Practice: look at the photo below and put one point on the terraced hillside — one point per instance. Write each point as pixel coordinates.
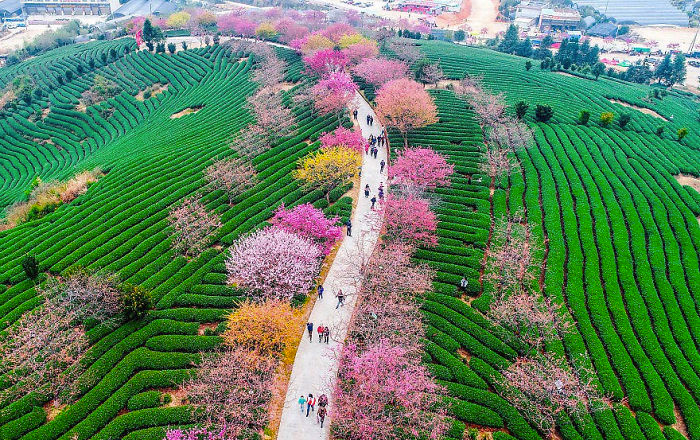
(622, 249)
(120, 225)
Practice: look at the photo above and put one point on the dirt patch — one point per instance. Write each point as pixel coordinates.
(52, 409)
(284, 86)
(464, 354)
(6, 97)
(443, 84)
(572, 75)
(680, 423)
(188, 111)
(81, 107)
(243, 59)
(179, 396)
(155, 89)
(691, 181)
(207, 325)
(646, 111)
(45, 112)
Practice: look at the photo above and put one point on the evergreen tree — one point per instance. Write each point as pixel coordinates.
(510, 40)
(598, 69)
(524, 48)
(664, 71)
(678, 75)
(543, 51)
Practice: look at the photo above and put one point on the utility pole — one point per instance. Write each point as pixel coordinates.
(691, 49)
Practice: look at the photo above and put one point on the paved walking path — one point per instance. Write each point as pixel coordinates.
(315, 366)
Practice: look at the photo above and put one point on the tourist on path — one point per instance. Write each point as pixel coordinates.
(320, 291)
(376, 150)
(320, 330)
(349, 227)
(354, 114)
(382, 164)
(310, 329)
(302, 402)
(366, 190)
(310, 402)
(373, 200)
(366, 147)
(326, 334)
(381, 191)
(321, 416)
(341, 299)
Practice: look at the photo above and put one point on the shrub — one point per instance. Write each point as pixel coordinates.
(136, 301)
(624, 120)
(660, 130)
(682, 132)
(606, 118)
(543, 113)
(521, 108)
(172, 47)
(528, 65)
(30, 266)
(583, 117)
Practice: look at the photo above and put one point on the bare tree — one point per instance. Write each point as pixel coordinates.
(233, 176)
(542, 386)
(405, 50)
(192, 226)
(272, 116)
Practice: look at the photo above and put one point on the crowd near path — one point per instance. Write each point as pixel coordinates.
(316, 364)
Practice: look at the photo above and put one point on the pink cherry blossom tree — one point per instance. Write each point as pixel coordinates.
(530, 317)
(324, 62)
(409, 220)
(274, 263)
(196, 434)
(332, 93)
(345, 137)
(360, 51)
(233, 176)
(289, 29)
(499, 162)
(388, 302)
(405, 50)
(379, 71)
(336, 30)
(422, 167)
(404, 104)
(385, 393)
(511, 265)
(231, 391)
(310, 223)
(542, 386)
(271, 115)
(192, 226)
(42, 350)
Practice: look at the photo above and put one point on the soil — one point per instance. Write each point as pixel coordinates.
(573, 76)
(52, 410)
(207, 325)
(6, 97)
(443, 84)
(187, 111)
(644, 110)
(156, 89)
(691, 181)
(81, 108)
(680, 423)
(284, 86)
(45, 112)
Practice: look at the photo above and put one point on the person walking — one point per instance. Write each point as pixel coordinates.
(366, 147)
(376, 150)
(302, 402)
(349, 228)
(326, 334)
(381, 191)
(366, 190)
(321, 416)
(310, 402)
(320, 330)
(320, 291)
(382, 164)
(373, 200)
(310, 329)
(368, 116)
(341, 299)
(354, 114)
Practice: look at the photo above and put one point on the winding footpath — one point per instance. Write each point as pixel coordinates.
(316, 364)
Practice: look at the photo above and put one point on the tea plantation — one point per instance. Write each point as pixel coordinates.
(151, 162)
(621, 248)
(621, 238)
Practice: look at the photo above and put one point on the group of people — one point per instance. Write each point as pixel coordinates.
(380, 193)
(374, 143)
(310, 402)
(324, 333)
